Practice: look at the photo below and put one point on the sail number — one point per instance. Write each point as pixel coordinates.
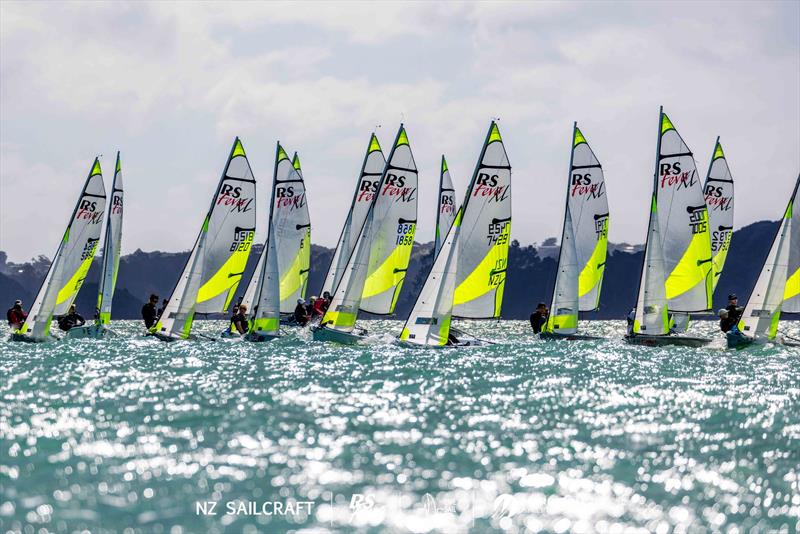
(498, 274)
(497, 233)
(720, 241)
(89, 248)
(405, 234)
(242, 241)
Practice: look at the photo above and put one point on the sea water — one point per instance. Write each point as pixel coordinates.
(137, 435)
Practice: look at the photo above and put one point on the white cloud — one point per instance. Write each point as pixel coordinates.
(172, 83)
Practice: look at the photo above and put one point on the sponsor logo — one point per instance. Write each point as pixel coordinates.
(672, 176)
(394, 186)
(360, 503)
(87, 211)
(431, 507)
(366, 190)
(582, 185)
(231, 197)
(486, 187)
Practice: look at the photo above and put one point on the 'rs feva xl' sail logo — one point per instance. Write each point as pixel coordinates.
(672, 176)
(582, 184)
(87, 211)
(716, 200)
(231, 197)
(366, 190)
(286, 197)
(395, 186)
(486, 186)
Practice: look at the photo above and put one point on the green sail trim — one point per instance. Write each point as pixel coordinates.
(119, 166)
(96, 168)
(374, 145)
(494, 135)
(296, 162)
(444, 164)
(666, 124)
(402, 138)
(718, 153)
(578, 138)
(238, 149)
(281, 154)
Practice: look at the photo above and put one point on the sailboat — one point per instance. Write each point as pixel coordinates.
(111, 253)
(71, 262)
(291, 225)
(470, 267)
(584, 242)
(776, 284)
(677, 268)
(368, 179)
(263, 294)
(718, 191)
(217, 260)
(447, 207)
(376, 268)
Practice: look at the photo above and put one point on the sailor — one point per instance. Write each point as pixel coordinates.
(732, 314)
(239, 319)
(326, 301)
(16, 315)
(301, 315)
(149, 313)
(539, 317)
(318, 307)
(630, 319)
(71, 320)
(233, 329)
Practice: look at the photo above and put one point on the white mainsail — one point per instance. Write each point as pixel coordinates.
(483, 242)
(446, 213)
(264, 299)
(72, 260)
(347, 295)
(683, 221)
(371, 172)
(393, 225)
(791, 295)
(217, 261)
(291, 225)
(584, 241)
(719, 201)
(111, 248)
(762, 312)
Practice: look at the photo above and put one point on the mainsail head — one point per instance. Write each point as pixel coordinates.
(718, 192)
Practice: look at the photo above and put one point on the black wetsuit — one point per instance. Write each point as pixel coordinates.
(538, 320)
(239, 320)
(69, 321)
(301, 315)
(149, 315)
(734, 314)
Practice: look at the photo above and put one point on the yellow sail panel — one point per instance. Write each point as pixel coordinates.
(297, 274)
(225, 279)
(692, 269)
(490, 274)
(73, 285)
(792, 285)
(592, 272)
(339, 320)
(390, 273)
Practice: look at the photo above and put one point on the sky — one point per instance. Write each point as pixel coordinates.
(171, 84)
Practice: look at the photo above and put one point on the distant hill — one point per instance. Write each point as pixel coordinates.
(531, 276)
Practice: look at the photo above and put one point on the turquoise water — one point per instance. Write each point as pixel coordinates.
(524, 436)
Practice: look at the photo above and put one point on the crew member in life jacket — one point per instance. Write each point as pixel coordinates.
(326, 302)
(730, 319)
(71, 320)
(301, 315)
(539, 317)
(16, 315)
(149, 312)
(239, 319)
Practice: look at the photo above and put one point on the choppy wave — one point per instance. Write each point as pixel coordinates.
(522, 436)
